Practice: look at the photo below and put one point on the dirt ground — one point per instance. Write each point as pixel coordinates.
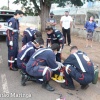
(93, 53)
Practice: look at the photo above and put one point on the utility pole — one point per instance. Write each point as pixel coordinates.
(8, 4)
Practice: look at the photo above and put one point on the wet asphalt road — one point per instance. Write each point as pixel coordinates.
(11, 89)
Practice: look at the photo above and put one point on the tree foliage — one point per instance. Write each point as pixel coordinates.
(4, 8)
(42, 7)
(29, 5)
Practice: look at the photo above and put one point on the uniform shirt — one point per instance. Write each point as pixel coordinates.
(80, 61)
(45, 58)
(28, 35)
(13, 29)
(25, 53)
(66, 20)
(90, 26)
(55, 37)
(52, 20)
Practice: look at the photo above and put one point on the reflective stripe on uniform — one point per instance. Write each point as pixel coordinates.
(79, 62)
(66, 68)
(40, 51)
(10, 61)
(25, 52)
(29, 32)
(15, 58)
(54, 38)
(55, 69)
(45, 70)
(9, 28)
(61, 39)
(14, 30)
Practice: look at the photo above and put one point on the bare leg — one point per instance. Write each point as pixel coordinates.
(87, 43)
(91, 42)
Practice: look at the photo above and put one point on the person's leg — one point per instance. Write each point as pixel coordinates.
(71, 72)
(68, 82)
(22, 66)
(42, 72)
(16, 51)
(77, 75)
(68, 36)
(91, 39)
(64, 34)
(87, 40)
(11, 58)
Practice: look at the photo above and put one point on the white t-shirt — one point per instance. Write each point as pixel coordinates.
(66, 20)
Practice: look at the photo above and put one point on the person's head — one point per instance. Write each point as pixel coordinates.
(38, 34)
(55, 47)
(91, 18)
(49, 30)
(73, 49)
(66, 13)
(51, 15)
(38, 42)
(18, 14)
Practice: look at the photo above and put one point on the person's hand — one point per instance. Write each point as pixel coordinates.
(11, 43)
(60, 50)
(60, 65)
(49, 45)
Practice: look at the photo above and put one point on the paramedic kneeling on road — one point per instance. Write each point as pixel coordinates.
(42, 64)
(79, 67)
(27, 51)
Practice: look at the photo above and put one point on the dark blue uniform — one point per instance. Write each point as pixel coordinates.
(41, 64)
(12, 35)
(56, 37)
(24, 55)
(81, 69)
(28, 35)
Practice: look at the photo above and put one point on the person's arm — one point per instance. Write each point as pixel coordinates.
(31, 52)
(54, 23)
(60, 38)
(71, 24)
(95, 26)
(48, 22)
(24, 39)
(51, 61)
(85, 26)
(10, 32)
(48, 40)
(69, 60)
(71, 21)
(61, 21)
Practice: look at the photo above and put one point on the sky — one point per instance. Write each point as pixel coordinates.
(12, 6)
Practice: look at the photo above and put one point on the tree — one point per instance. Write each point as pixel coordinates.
(42, 7)
(4, 8)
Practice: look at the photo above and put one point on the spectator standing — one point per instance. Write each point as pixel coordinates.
(51, 21)
(66, 24)
(90, 27)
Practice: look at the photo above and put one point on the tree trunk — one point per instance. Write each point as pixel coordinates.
(44, 14)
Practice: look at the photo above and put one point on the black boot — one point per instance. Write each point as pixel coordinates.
(84, 86)
(46, 86)
(31, 78)
(70, 87)
(14, 69)
(24, 79)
